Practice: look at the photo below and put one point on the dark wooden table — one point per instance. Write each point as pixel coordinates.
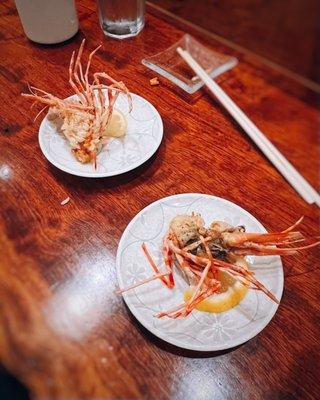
(47, 248)
(266, 27)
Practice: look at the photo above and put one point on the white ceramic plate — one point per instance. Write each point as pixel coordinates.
(144, 135)
(199, 331)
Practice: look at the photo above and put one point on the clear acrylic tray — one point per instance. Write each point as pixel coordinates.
(170, 65)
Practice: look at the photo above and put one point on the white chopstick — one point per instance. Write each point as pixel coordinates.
(297, 181)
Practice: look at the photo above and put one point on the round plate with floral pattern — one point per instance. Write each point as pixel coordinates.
(199, 331)
(119, 155)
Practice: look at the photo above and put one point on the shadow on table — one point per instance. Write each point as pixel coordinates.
(11, 388)
(97, 184)
(178, 351)
(76, 38)
(144, 171)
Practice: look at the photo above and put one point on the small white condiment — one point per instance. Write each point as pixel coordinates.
(65, 201)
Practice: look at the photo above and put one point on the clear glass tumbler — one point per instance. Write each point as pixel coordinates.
(121, 19)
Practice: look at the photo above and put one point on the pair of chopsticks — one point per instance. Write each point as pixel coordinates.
(297, 181)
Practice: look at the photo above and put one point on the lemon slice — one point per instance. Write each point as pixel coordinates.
(230, 295)
(117, 126)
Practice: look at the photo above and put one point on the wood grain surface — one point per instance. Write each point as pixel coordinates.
(285, 32)
(53, 255)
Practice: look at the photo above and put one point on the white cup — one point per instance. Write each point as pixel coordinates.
(48, 21)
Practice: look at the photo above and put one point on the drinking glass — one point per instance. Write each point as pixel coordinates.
(121, 19)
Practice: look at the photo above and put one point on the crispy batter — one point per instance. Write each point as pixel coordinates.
(202, 254)
(84, 119)
(154, 81)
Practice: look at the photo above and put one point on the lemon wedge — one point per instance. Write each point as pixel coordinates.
(230, 295)
(117, 126)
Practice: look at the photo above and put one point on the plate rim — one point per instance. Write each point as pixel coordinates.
(61, 167)
(173, 341)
